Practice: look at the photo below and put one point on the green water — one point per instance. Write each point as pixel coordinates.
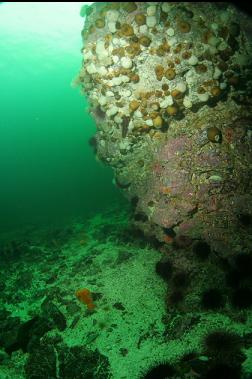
(48, 170)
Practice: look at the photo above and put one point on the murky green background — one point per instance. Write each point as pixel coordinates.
(48, 172)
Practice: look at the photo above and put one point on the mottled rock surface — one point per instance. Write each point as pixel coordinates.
(169, 86)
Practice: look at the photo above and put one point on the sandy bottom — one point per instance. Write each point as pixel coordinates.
(132, 326)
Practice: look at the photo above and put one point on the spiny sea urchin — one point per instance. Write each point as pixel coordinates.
(212, 298)
(202, 250)
(164, 268)
(160, 371)
(222, 344)
(223, 371)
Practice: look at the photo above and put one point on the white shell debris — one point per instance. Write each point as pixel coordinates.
(112, 111)
(172, 41)
(91, 69)
(126, 62)
(193, 60)
(151, 21)
(109, 93)
(118, 119)
(187, 102)
(102, 70)
(170, 32)
(126, 93)
(100, 50)
(143, 29)
(112, 26)
(166, 102)
(112, 16)
(203, 96)
(151, 10)
(165, 7)
(181, 87)
(115, 59)
(102, 100)
(149, 122)
(217, 73)
(138, 114)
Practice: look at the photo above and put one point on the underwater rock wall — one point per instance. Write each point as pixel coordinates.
(169, 86)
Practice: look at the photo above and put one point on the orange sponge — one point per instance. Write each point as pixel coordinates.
(84, 295)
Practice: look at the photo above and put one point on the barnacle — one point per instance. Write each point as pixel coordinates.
(129, 7)
(127, 30)
(216, 91)
(145, 41)
(159, 71)
(100, 23)
(171, 110)
(183, 26)
(158, 122)
(140, 19)
(134, 78)
(201, 68)
(170, 73)
(134, 104)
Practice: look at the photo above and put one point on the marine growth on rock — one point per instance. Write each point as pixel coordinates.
(173, 81)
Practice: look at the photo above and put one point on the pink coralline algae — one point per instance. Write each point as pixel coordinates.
(174, 148)
(197, 201)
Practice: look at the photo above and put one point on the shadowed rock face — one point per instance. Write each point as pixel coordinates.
(169, 85)
(56, 360)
